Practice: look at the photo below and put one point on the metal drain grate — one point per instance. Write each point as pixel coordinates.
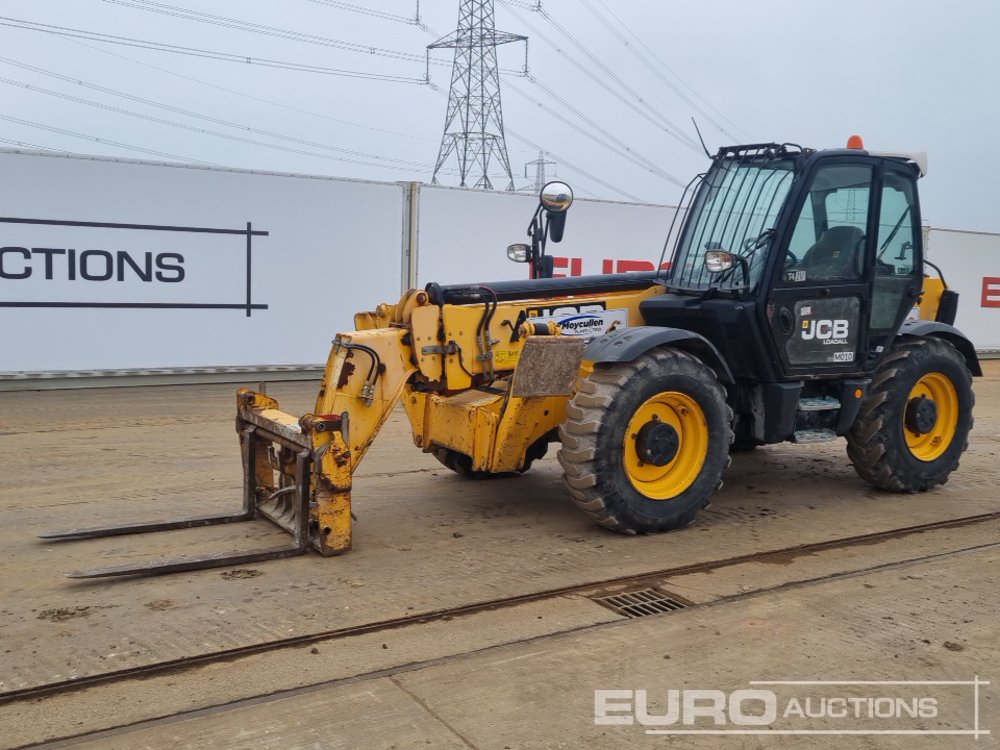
(641, 603)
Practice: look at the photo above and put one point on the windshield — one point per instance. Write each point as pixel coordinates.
(735, 209)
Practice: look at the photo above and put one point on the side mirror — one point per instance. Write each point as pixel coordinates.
(717, 261)
(548, 223)
(720, 261)
(556, 197)
(557, 225)
(519, 253)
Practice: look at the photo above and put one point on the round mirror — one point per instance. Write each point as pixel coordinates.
(557, 197)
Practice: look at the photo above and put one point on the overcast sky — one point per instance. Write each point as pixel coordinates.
(916, 75)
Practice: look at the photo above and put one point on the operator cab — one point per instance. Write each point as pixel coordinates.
(817, 254)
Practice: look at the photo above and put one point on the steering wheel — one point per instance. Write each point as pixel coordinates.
(859, 257)
(751, 244)
(791, 259)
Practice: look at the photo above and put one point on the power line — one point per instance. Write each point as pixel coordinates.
(195, 129)
(70, 33)
(652, 68)
(179, 110)
(415, 21)
(105, 141)
(94, 36)
(264, 29)
(640, 105)
(245, 95)
(275, 31)
(623, 150)
(575, 168)
(23, 144)
(672, 72)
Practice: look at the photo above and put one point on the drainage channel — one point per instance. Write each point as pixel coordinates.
(642, 597)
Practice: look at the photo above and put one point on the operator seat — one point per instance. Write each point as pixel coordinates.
(836, 255)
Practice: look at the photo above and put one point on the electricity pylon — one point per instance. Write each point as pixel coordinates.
(473, 126)
(539, 164)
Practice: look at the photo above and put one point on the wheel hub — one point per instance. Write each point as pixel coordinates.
(657, 443)
(921, 415)
(665, 445)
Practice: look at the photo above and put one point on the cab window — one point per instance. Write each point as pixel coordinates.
(828, 242)
(898, 243)
(896, 236)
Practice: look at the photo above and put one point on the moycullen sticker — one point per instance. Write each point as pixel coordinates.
(588, 325)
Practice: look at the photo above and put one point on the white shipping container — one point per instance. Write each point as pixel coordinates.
(971, 265)
(121, 264)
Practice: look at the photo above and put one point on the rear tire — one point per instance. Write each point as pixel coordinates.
(645, 442)
(888, 445)
(458, 463)
(461, 464)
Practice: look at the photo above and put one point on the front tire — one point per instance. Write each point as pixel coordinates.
(915, 420)
(645, 442)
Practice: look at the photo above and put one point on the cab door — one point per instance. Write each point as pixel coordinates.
(897, 271)
(818, 306)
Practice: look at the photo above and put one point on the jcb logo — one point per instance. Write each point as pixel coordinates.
(825, 330)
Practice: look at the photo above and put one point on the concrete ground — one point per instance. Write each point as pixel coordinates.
(540, 693)
(916, 607)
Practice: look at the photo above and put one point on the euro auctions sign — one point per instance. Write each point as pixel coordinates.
(805, 707)
(55, 263)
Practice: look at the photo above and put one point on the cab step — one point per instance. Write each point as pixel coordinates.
(824, 403)
(813, 436)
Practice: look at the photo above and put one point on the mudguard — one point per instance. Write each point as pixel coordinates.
(627, 344)
(950, 334)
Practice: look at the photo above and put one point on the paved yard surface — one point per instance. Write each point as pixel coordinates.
(912, 607)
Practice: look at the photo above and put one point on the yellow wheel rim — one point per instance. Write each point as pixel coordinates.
(681, 412)
(931, 445)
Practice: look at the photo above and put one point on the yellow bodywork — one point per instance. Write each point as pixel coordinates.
(930, 298)
(467, 387)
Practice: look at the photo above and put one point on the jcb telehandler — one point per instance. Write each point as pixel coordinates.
(794, 308)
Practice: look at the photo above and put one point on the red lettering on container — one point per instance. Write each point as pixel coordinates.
(575, 266)
(991, 291)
